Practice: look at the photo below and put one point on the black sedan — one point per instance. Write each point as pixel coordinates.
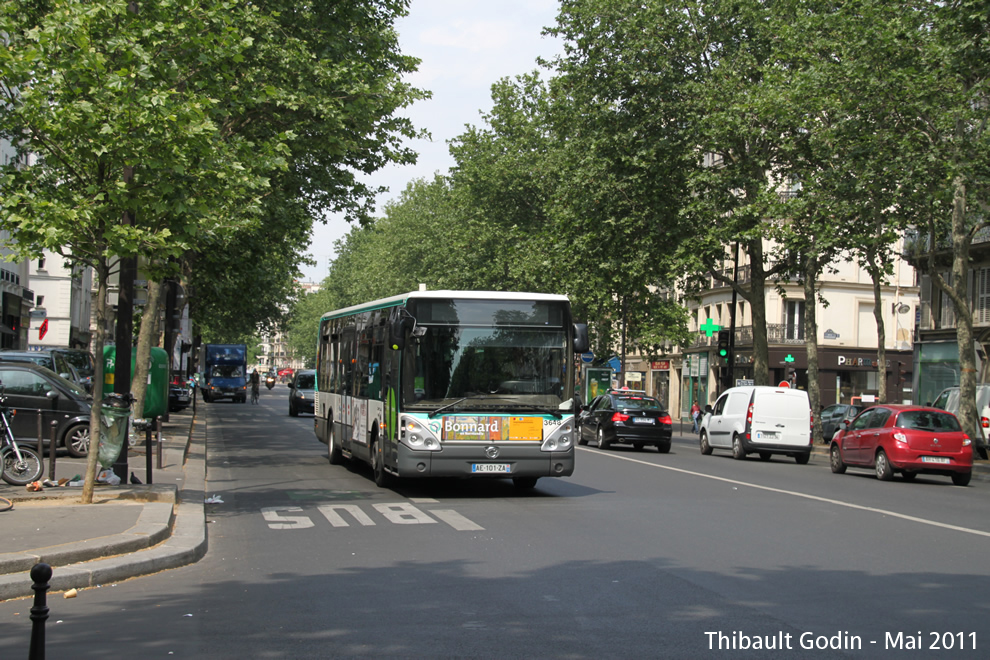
(179, 394)
(302, 389)
(834, 418)
(626, 417)
(33, 390)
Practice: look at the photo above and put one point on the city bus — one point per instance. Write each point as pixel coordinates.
(451, 384)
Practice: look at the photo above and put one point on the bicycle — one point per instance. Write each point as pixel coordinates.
(19, 465)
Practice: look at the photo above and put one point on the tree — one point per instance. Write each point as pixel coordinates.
(157, 128)
(669, 102)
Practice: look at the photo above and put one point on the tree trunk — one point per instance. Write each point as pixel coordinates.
(146, 336)
(811, 344)
(758, 305)
(99, 339)
(968, 415)
(875, 275)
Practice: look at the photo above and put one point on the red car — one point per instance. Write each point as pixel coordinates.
(911, 440)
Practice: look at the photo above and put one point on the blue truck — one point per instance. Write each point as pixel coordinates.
(224, 369)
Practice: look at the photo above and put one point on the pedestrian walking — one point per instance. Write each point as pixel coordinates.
(696, 417)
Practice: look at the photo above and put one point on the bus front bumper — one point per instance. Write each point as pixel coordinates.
(475, 461)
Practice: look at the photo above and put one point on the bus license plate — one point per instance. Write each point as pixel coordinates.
(934, 459)
(490, 468)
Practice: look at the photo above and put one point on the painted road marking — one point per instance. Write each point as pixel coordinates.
(330, 512)
(456, 520)
(403, 514)
(815, 498)
(343, 515)
(277, 521)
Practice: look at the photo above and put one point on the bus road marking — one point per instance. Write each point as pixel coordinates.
(403, 514)
(277, 521)
(456, 520)
(343, 515)
(329, 512)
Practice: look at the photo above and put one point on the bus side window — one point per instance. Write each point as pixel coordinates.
(347, 337)
(377, 354)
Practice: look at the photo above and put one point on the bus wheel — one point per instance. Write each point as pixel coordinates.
(333, 449)
(524, 483)
(378, 464)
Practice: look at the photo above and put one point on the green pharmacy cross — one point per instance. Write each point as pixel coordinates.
(710, 328)
(789, 358)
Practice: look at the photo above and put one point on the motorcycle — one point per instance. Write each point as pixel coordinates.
(270, 382)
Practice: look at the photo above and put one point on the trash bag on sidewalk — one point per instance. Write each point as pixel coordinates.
(114, 415)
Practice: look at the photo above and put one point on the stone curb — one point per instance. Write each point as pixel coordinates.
(169, 533)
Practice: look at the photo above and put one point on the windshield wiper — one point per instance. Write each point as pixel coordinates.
(452, 404)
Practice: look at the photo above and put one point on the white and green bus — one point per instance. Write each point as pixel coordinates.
(451, 384)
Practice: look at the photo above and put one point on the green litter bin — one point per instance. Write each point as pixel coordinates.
(156, 396)
(114, 415)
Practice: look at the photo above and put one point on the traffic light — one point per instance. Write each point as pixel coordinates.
(723, 346)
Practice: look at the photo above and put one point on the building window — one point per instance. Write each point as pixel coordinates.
(983, 295)
(41, 263)
(40, 302)
(794, 319)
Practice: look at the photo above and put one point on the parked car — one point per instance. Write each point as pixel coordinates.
(948, 400)
(51, 359)
(31, 388)
(82, 361)
(911, 440)
(302, 389)
(179, 393)
(626, 417)
(761, 420)
(834, 417)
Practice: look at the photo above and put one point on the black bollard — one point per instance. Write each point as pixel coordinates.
(40, 575)
(147, 454)
(51, 451)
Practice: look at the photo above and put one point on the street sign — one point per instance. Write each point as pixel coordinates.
(588, 357)
(783, 383)
(43, 329)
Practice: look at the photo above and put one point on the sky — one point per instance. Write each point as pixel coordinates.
(465, 47)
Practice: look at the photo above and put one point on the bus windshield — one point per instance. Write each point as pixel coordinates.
(498, 368)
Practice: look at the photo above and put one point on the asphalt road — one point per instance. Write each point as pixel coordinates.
(638, 555)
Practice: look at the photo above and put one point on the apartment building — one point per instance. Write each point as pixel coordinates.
(63, 303)
(936, 357)
(16, 298)
(847, 339)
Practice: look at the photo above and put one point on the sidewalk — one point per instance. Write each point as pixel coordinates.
(128, 530)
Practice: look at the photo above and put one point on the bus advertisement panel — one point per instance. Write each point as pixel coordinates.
(451, 384)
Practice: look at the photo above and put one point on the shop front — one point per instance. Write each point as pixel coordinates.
(660, 382)
(694, 382)
(844, 376)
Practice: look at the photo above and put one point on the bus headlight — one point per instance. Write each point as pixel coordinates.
(561, 439)
(415, 435)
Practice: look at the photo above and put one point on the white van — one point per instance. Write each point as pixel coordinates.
(759, 420)
(948, 400)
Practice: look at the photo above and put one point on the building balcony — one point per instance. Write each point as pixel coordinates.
(944, 317)
(777, 334)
